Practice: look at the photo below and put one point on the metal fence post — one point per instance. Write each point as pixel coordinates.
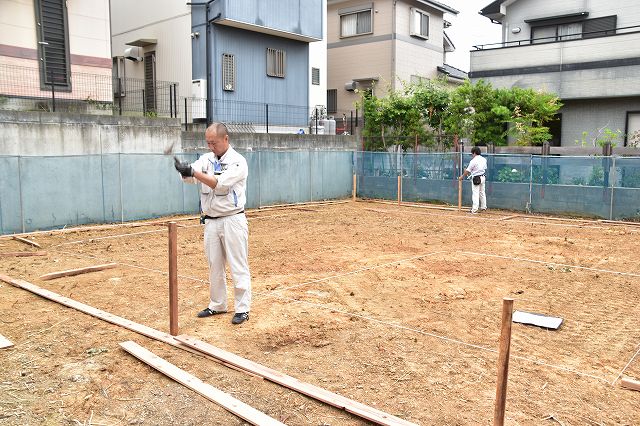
(175, 102)
(316, 121)
(351, 123)
(266, 112)
(144, 106)
(613, 184)
(186, 120)
(260, 180)
(20, 193)
(528, 209)
(53, 91)
(119, 95)
(171, 100)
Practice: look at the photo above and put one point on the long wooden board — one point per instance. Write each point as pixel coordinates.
(314, 392)
(4, 342)
(78, 271)
(221, 398)
(108, 317)
(23, 253)
(24, 240)
(630, 384)
(354, 407)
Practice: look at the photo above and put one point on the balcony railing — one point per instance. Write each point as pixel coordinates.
(560, 38)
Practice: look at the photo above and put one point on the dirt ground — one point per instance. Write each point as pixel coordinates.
(396, 307)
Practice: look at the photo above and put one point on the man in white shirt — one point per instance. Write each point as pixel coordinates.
(222, 174)
(477, 168)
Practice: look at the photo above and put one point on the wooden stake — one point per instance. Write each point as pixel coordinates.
(24, 240)
(173, 279)
(503, 362)
(399, 189)
(630, 384)
(221, 398)
(23, 253)
(78, 271)
(459, 195)
(353, 191)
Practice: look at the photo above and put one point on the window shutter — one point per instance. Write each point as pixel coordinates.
(276, 62)
(332, 101)
(228, 72)
(53, 31)
(599, 27)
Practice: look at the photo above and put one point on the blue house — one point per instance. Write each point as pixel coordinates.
(250, 58)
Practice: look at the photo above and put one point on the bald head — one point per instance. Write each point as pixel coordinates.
(217, 138)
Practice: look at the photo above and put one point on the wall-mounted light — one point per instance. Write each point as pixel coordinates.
(195, 35)
(516, 30)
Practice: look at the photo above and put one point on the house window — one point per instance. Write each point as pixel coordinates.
(276, 62)
(228, 72)
(561, 32)
(633, 129)
(355, 22)
(419, 23)
(315, 76)
(418, 79)
(53, 43)
(332, 101)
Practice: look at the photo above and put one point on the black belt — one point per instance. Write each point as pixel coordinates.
(205, 217)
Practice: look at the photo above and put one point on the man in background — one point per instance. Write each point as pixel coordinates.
(477, 168)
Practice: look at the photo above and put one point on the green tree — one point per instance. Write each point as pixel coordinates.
(415, 110)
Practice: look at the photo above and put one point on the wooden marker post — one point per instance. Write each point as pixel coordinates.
(399, 189)
(503, 362)
(353, 190)
(173, 279)
(459, 195)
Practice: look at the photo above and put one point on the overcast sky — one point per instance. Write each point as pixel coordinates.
(468, 29)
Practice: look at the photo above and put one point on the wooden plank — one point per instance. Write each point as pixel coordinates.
(223, 357)
(308, 389)
(108, 317)
(23, 253)
(72, 272)
(630, 384)
(4, 342)
(173, 278)
(503, 362)
(24, 240)
(215, 395)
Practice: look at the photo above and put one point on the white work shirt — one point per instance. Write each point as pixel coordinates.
(229, 196)
(477, 166)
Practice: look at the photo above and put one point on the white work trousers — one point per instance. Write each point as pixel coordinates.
(478, 196)
(227, 238)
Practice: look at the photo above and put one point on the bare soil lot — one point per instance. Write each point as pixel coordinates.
(395, 307)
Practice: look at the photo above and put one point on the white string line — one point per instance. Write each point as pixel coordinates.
(149, 232)
(522, 259)
(88, 256)
(368, 268)
(88, 240)
(514, 220)
(626, 366)
(444, 338)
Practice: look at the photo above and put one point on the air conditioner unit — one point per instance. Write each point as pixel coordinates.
(350, 86)
(199, 99)
(133, 54)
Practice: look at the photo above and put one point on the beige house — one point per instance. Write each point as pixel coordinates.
(378, 45)
(59, 42)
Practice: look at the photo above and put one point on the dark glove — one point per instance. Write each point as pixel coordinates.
(184, 168)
